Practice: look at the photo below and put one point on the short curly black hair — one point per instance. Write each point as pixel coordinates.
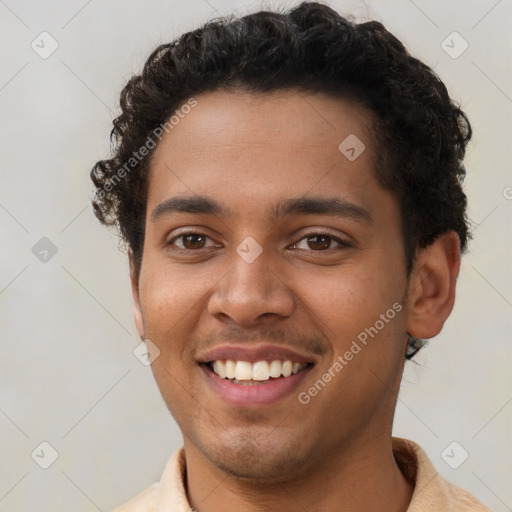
(420, 134)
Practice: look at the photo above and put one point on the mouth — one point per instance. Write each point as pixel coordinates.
(249, 384)
(248, 373)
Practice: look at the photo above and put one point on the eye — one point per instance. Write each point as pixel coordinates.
(195, 240)
(320, 242)
(190, 240)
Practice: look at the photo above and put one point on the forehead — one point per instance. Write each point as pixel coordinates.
(294, 118)
(250, 150)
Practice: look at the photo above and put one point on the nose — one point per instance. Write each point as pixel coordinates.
(251, 291)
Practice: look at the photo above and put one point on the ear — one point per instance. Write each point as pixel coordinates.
(431, 291)
(137, 310)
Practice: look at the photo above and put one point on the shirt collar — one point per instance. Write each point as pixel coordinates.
(431, 491)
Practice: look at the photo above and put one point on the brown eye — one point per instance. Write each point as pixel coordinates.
(189, 241)
(319, 242)
(193, 241)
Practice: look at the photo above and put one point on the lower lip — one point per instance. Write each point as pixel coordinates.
(242, 395)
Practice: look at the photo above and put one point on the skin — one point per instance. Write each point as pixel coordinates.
(248, 151)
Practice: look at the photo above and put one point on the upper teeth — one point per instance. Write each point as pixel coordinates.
(260, 370)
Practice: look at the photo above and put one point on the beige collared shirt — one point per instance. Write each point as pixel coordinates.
(431, 492)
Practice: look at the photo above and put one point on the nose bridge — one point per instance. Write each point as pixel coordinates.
(250, 279)
(251, 268)
(251, 287)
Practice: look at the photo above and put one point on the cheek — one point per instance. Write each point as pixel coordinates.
(169, 293)
(169, 300)
(170, 304)
(356, 301)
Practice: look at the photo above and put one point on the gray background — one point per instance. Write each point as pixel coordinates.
(68, 373)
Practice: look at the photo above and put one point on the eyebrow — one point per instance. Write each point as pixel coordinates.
(203, 205)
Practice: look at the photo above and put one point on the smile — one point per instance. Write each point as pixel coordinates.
(245, 372)
(252, 384)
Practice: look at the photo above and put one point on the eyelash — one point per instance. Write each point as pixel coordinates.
(343, 244)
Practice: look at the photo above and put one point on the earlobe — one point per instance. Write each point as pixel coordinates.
(137, 310)
(431, 293)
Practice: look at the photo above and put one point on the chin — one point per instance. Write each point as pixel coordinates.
(257, 460)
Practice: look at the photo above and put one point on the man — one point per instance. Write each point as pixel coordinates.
(289, 188)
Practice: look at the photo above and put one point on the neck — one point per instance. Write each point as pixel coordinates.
(362, 475)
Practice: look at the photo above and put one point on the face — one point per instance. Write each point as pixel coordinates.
(281, 248)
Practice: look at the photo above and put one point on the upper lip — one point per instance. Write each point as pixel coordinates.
(253, 354)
